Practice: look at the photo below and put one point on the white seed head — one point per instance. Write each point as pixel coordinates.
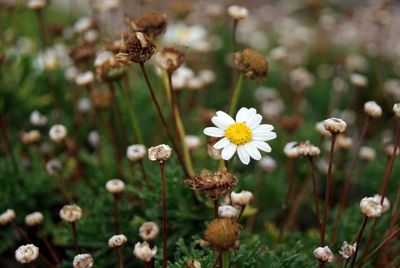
(367, 153)
(237, 12)
(83, 261)
(290, 149)
(53, 167)
(57, 133)
(267, 163)
(307, 149)
(241, 199)
(115, 186)
(27, 253)
(84, 105)
(70, 213)
(372, 109)
(347, 250)
(143, 251)
(370, 207)
(396, 109)
(34, 219)
(344, 142)
(136, 152)
(385, 204)
(117, 241)
(322, 130)
(149, 230)
(359, 80)
(227, 212)
(335, 125)
(7, 217)
(95, 139)
(159, 153)
(37, 119)
(324, 254)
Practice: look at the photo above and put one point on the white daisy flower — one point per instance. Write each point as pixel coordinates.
(246, 134)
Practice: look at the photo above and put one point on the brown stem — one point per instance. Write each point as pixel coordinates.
(49, 246)
(316, 202)
(143, 170)
(120, 260)
(6, 138)
(164, 213)
(328, 189)
(163, 121)
(241, 212)
(117, 112)
(215, 208)
(358, 239)
(217, 258)
(42, 28)
(75, 237)
(116, 213)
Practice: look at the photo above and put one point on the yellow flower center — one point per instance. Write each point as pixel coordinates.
(238, 133)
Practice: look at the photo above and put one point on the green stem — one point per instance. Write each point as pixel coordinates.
(225, 260)
(235, 95)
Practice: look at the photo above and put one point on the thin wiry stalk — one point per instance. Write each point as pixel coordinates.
(316, 202)
(358, 239)
(164, 213)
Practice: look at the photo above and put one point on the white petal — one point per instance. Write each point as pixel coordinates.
(252, 151)
(241, 115)
(225, 117)
(263, 128)
(252, 112)
(219, 122)
(243, 155)
(254, 121)
(228, 151)
(263, 146)
(264, 136)
(222, 143)
(213, 132)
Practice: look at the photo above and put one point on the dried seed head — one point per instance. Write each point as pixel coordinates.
(372, 109)
(143, 251)
(159, 153)
(136, 152)
(324, 254)
(152, 23)
(70, 213)
(335, 125)
(7, 217)
(138, 47)
(212, 152)
(242, 198)
(267, 164)
(251, 63)
(30, 137)
(290, 149)
(54, 167)
(367, 153)
(347, 250)
(222, 233)
(115, 186)
(306, 149)
(344, 142)
(83, 261)
(58, 133)
(237, 12)
(227, 212)
(385, 202)
(214, 185)
(370, 207)
(149, 231)
(34, 219)
(117, 241)
(169, 59)
(27, 253)
(396, 109)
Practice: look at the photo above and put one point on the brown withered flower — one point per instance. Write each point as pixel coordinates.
(152, 23)
(110, 67)
(222, 233)
(82, 53)
(214, 185)
(137, 47)
(101, 99)
(251, 63)
(169, 59)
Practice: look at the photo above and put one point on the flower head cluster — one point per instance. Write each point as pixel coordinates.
(27, 253)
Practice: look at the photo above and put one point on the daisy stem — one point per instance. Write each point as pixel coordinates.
(235, 95)
(164, 213)
(358, 239)
(163, 121)
(316, 202)
(328, 188)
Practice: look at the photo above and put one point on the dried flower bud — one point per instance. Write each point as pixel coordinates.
(34, 219)
(267, 164)
(138, 48)
(36, 4)
(237, 12)
(53, 167)
(7, 217)
(169, 59)
(37, 119)
(251, 63)
(344, 142)
(58, 133)
(396, 109)
(324, 254)
(84, 79)
(149, 231)
(212, 152)
(227, 212)
(70, 213)
(372, 109)
(290, 149)
(222, 233)
(159, 153)
(115, 186)
(143, 251)
(367, 153)
(359, 80)
(27, 253)
(306, 149)
(152, 23)
(347, 250)
(136, 152)
(214, 185)
(83, 261)
(117, 241)
(192, 142)
(241, 199)
(30, 137)
(385, 202)
(370, 207)
(335, 125)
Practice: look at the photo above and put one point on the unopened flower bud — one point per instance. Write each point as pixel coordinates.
(385, 203)
(136, 152)
(322, 130)
(53, 167)
(58, 133)
(227, 212)
(372, 109)
(367, 153)
(324, 254)
(27, 253)
(359, 80)
(149, 230)
(117, 241)
(36, 4)
(335, 125)
(267, 164)
(347, 250)
(83, 261)
(34, 219)
(192, 142)
(237, 12)
(160, 153)
(241, 199)
(344, 142)
(370, 207)
(95, 139)
(115, 186)
(290, 149)
(143, 251)
(306, 149)
(7, 217)
(37, 119)
(70, 213)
